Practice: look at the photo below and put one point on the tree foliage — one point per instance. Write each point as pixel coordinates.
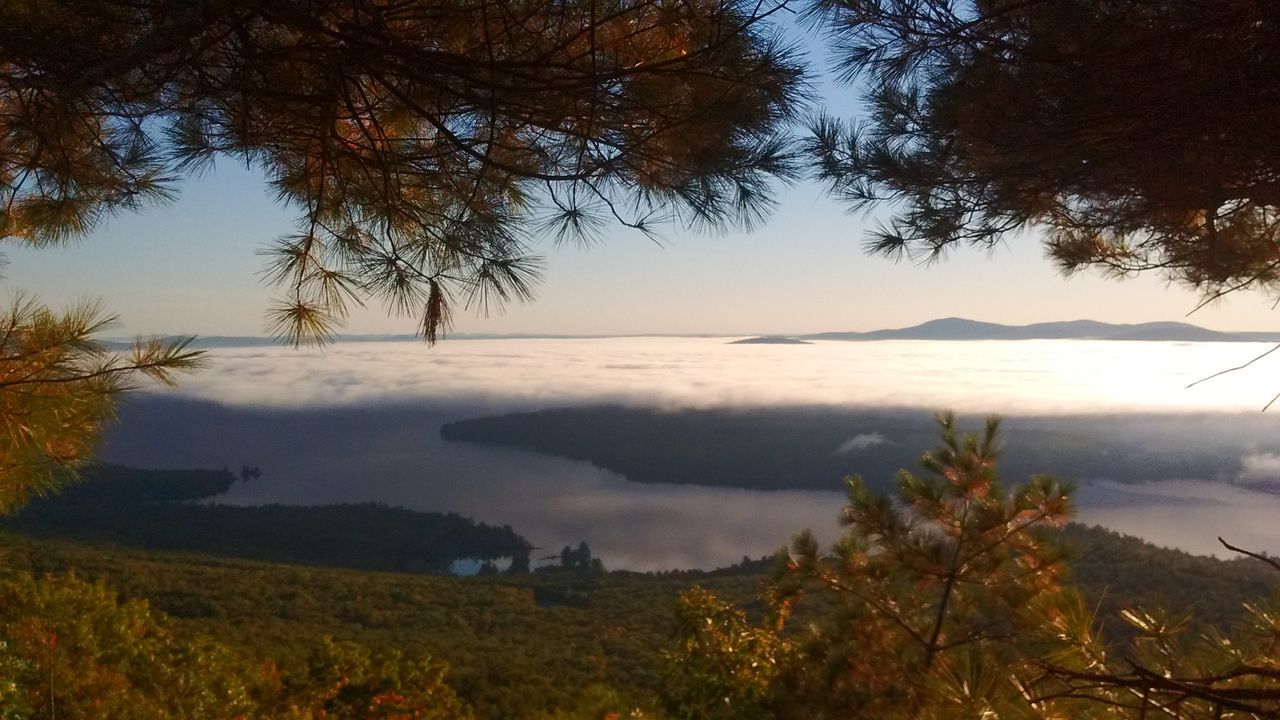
(950, 603)
(515, 651)
(500, 635)
(69, 649)
(420, 141)
(366, 536)
(1166, 671)
(81, 654)
(58, 384)
(724, 667)
(939, 581)
(347, 680)
(578, 560)
(1139, 134)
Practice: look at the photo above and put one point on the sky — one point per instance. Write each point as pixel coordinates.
(191, 267)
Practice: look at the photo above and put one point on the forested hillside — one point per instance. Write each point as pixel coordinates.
(152, 509)
(816, 448)
(517, 647)
(529, 646)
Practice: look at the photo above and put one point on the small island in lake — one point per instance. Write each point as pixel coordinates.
(770, 340)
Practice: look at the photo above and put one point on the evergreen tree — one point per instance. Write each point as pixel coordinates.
(1167, 670)
(421, 142)
(922, 600)
(932, 587)
(949, 603)
(58, 385)
(1138, 134)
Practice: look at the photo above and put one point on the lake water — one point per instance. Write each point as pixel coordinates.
(360, 421)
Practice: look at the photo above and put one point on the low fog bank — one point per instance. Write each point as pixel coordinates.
(1012, 377)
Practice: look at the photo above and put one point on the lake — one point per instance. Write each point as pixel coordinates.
(360, 421)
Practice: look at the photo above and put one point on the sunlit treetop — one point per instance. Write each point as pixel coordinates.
(421, 142)
(1139, 134)
(58, 386)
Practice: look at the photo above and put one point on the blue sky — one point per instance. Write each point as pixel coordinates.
(191, 267)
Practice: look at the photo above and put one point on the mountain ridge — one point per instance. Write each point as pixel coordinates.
(956, 328)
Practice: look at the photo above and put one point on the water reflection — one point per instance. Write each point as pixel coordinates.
(1185, 514)
(393, 454)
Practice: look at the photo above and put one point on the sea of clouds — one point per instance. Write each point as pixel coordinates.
(1015, 377)
(360, 421)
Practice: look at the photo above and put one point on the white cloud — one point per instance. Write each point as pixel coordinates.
(1259, 468)
(859, 442)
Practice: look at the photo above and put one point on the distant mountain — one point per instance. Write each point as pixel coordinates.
(962, 329)
(952, 328)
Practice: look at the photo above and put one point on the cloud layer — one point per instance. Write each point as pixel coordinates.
(991, 376)
(360, 421)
